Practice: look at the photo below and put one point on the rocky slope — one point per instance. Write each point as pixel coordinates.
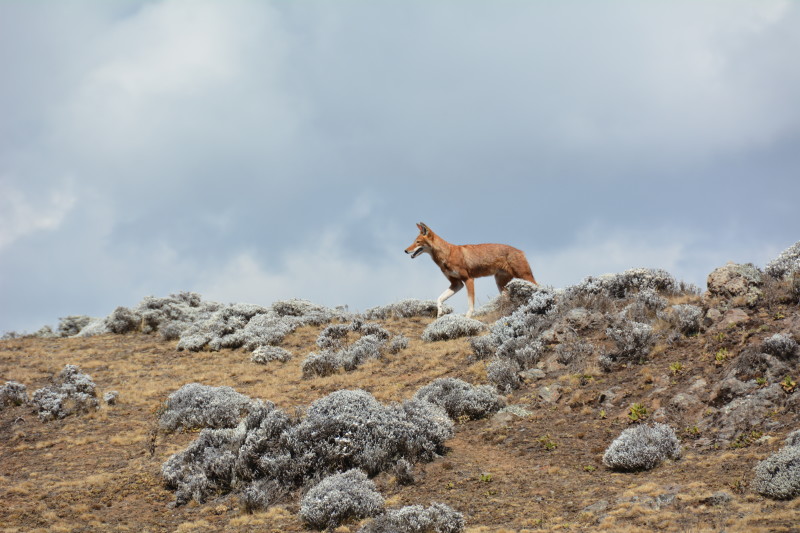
(629, 401)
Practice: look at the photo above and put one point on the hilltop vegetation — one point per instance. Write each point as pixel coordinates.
(629, 401)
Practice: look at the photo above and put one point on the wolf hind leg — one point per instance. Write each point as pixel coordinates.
(470, 296)
(502, 278)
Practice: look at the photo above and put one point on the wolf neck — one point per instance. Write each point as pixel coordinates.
(440, 249)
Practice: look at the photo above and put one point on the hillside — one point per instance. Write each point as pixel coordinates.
(574, 368)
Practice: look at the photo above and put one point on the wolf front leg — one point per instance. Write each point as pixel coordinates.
(455, 286)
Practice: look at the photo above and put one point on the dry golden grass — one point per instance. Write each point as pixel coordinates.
(101, 471)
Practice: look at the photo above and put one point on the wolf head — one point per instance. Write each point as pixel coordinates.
(422, 244)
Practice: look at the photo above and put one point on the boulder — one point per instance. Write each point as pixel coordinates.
(735, 280)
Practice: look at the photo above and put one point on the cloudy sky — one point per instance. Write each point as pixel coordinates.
(255, 151)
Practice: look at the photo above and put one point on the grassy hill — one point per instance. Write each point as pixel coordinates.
(575, 368)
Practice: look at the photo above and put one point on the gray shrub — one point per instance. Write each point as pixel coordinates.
(251, 326)
(452, 327)
(333, 335)
(642, 447)
(634, 340)
(786, 264)
(438, 518)
(262, 493)
(405, 309)
(398, 343)
(72, 325)
(627, 283)
(265, 354)
(206, 467)
(460, 399)
(515, 336)
(780, 345)
(573, 351)
(349, 495)
(335, 355)
(202, 406)
(645, 306)
(122, 320)
(403, 472)
(268, 455)
(72, 392)
(13, 393)
(309, 313)
(778, 476)
(350, 429)
(686, 318)
(483, 347)
(322, 363)
(363, 349)
(793, 438)
(504, 374)
(111, 397)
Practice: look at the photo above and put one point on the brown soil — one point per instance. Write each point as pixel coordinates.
(101, 471)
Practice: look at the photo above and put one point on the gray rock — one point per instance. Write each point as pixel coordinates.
(597, 507)
(735, 280)
(550, 393)
(532, 374)
(728, 390)
(111, 397)
(731, 319)
(684, 402)
(718, 498)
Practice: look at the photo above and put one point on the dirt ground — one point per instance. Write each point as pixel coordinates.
(542, 472)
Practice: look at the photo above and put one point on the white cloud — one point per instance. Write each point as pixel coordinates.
(324, 273)
(177, 83)
(22, 214)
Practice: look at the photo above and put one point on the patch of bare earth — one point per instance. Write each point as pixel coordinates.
(101, 471)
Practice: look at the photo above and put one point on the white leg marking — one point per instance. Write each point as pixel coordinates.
(445, 295)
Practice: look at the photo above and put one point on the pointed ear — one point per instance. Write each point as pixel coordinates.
(423, 229)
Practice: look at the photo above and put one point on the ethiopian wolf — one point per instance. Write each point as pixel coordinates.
(462, 263)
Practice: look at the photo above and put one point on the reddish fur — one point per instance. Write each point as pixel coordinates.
(461, 264)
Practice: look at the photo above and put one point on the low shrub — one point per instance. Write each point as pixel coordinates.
(122, 320)
(398, 343)
(202, 406)
(406, 309)
(73, 392)
(686, 318)
(642, 447)
(265, 354)
(634, 340)
(786, 264)
(573, 351)
(340, 497)
(267, 455)
(460, 399)
(645, 306)
(452, 327)
(778, 476)
(72, 325)
(403, 472)
(780, 345)
(329, 360)
(483, 347)
(321, 364)
(627, 283)
(438, 518)
(13, 393)
(504, 374)
(251, 326)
